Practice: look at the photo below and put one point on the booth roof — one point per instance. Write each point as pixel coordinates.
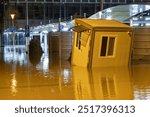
(101, 23)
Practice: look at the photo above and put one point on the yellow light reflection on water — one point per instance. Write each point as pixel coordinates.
(13, 85)
(41, 79)
(141, 80)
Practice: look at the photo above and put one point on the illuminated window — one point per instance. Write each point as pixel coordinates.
(107, 46)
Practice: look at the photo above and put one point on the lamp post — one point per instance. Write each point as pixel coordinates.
(13, 34)
(101, 4)
(13, 81)
(12, 18)
(27, 29)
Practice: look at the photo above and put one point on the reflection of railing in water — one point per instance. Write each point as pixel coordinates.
(18, 39)
(141, 45)
(18, 55)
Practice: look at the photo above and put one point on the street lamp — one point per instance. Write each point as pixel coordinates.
(13, 33)
(12, 17)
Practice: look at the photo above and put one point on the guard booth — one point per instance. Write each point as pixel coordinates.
(101, 43)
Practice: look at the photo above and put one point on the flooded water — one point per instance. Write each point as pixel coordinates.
(49, 77)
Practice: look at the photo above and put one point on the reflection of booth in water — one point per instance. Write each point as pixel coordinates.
(101, 43)
(112, 83)
(102, 83)
(82, 84)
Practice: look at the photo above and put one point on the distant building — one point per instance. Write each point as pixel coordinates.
(45, 11)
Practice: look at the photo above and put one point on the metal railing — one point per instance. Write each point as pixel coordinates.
(70, 1)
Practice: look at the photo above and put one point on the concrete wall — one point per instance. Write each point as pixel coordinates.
(141, 44)
(60, 43)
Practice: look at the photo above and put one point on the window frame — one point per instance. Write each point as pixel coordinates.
(108, 44)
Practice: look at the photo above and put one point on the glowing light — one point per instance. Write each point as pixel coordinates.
(65, 29)
(54, 30)
(134, 18)
(45, 31)
(136, 24)
(12, 16)
(66, 76)
(109, 10)
(131, 22)
(109, 18)
(35, 32)
(147, 18)
(147, 24)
